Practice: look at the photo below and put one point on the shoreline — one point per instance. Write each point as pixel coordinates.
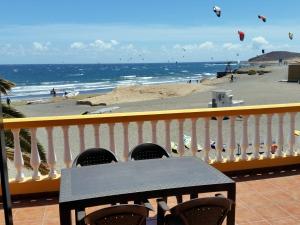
(254, 90)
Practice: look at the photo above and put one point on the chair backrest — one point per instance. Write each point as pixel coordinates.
(118, 215)
(148, 151)
(204, 211)
(94, 156)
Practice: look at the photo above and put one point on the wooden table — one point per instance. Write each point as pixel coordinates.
(137, 180)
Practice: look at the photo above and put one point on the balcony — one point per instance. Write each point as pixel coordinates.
(249, 133)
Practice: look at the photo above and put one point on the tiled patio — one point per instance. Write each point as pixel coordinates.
(266, 198)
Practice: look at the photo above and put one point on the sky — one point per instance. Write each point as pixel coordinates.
(118, 31)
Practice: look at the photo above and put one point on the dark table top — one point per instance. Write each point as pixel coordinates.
(143, 176)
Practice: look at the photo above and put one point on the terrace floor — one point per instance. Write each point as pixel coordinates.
(263, 199)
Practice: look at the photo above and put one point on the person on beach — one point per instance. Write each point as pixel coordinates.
(8, 101)
(53, 92)
(231, 78)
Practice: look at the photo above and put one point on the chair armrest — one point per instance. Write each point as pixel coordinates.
(222, 196)
(162, 205)
(219, 195)
(148, 205)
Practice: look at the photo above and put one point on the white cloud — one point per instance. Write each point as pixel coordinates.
(77, 45)
(99, 44)
(114, 42)
(206, 45)
(127, 47)
(40, 46)
(231, 46)
(259, 42)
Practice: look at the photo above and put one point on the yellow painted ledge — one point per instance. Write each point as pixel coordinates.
(252, 164)
(46, 185)
(29, 186)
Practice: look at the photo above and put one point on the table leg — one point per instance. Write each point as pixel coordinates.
(65, 216)
(231, 214)
(193, 196)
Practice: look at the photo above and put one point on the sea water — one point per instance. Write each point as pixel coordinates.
(36, 81)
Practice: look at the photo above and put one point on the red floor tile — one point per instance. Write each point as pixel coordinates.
(259, 202)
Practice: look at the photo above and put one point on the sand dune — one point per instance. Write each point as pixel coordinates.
(138, 93)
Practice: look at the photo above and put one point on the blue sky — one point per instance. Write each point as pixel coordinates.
(93, 31)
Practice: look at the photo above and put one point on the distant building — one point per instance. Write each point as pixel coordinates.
(294, 73)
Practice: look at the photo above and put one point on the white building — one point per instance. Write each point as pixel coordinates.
(223, 98)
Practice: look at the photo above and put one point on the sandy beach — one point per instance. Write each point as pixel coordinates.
(253, 89)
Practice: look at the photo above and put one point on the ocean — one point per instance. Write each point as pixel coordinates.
(36, 81)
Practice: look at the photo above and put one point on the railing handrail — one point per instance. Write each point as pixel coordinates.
(34, 122)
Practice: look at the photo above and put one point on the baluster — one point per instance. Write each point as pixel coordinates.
(97, 135)
(232, 142)
(269, 135)
(111, 127)
(206, 140)
(34, 157)
(292, 136)
(168, 136)
(219, 143)
(81, 138)
(180, 142)
(256, 143)
(154, 136)
(280, 141)
(245, 143)
(140, 132)
(18, 159)
(67, 150)
(194, 145)
(126, 141)
(51, 156)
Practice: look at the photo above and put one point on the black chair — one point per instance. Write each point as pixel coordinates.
(148, 151)
(92, 156)
(204, 211)
(119, 215)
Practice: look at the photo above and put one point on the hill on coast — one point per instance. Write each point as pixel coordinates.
(275, 56)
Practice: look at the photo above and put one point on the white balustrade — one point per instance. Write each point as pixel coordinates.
(153, 131)
(219, 143)
(111, 127)
(126, 141)
(81, 138)
(67, 150)
(280, 140)
(34, 157)
(292, 140)
(168, 136)
(194, 145)
(232, 141)
(18, 159)
(140, 132)
(180, 137)
(256, 144)
(97, 135)
(269, 141)
(51, 156)
(245, 142)
(113, 133)
(206, 147)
